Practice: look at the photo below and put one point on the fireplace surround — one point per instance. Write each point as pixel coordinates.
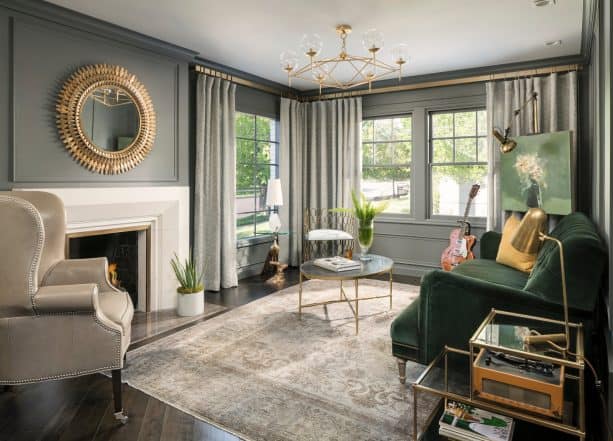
(162, 210)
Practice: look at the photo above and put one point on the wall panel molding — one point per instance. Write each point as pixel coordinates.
(40, 54)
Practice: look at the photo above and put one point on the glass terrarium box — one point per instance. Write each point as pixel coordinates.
(508, 368)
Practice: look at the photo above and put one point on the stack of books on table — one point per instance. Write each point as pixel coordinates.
(467, 423)
(337, 263)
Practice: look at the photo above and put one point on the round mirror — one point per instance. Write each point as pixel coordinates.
(109, 118)
(106, 119)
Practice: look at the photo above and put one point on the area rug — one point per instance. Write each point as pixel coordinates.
(260, 372)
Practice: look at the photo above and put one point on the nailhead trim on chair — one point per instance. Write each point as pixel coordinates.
(38, 224)
(115, 365)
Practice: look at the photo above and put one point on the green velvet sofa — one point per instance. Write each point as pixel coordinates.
(452, 304)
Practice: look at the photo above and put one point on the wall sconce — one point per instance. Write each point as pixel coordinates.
(507, 143)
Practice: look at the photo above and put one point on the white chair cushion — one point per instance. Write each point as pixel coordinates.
(324, 234)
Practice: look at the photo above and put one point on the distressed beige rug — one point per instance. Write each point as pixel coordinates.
(261, 373)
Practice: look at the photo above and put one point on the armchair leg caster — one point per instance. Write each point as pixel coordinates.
(119, 414)
(402, 370)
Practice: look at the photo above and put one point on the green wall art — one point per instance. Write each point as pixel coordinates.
(537, 173)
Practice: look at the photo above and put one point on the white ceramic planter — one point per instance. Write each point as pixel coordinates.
(190, 304)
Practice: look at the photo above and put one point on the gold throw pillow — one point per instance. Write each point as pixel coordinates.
(507, 255)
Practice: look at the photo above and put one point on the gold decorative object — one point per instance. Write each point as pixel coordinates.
(364, 69)
(111, 87)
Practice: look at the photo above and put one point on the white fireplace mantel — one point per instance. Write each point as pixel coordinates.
(164, 209)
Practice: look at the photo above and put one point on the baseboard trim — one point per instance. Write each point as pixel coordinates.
(250, 270)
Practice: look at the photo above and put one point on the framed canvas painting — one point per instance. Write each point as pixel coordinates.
(537, 173)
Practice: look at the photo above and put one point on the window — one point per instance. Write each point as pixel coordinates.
(386, 162)
(458, 159)
(257, 152)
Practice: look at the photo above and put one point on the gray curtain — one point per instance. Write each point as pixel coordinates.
(214, 186)
(321, 160)
(557, 111)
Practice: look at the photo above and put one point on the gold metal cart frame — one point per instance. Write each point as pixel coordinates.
(577, 365)
(377, 266)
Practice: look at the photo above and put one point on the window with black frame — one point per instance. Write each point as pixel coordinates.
(386, 162)
(458, 159)
(257, 153)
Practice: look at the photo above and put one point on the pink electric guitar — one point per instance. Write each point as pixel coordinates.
(461, 242)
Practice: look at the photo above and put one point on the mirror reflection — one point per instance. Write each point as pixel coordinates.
(110, 118)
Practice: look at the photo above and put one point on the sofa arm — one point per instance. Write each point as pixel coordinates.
(66, 298)
(77, 271)
(490, 241)
(452, 306)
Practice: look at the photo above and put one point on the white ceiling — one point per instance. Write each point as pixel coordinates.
(442, 35)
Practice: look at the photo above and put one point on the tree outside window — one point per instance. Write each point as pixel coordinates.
(257, 152)
(386, 162)
(458, 159)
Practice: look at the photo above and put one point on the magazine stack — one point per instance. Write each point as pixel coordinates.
(337, 263)
(467, 423)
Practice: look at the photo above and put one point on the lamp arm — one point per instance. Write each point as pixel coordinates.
(564, 293)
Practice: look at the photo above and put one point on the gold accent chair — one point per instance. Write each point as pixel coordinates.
(58, 318)
(327, 221)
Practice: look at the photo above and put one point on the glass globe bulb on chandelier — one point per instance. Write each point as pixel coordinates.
(363, 69)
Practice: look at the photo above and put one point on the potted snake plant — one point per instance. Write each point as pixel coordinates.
(191, 288)
(365, 212)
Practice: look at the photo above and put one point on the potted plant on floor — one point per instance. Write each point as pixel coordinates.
(191, 288)
(365, 212)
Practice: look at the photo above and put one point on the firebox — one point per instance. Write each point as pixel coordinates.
(127, 251)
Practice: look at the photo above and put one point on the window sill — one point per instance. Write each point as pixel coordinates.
(251, 241)
(442, 222)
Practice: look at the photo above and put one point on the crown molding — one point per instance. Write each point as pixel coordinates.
(67, 17)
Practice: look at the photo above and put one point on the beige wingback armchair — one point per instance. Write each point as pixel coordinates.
(58, 318)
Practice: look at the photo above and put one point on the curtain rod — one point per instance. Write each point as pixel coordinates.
(389, 89)
(450, 82)
(242, 81)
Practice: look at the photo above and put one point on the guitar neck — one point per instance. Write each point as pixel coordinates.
(466, 211)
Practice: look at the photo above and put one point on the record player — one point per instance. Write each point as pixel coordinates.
(513, 366)
(530, 385)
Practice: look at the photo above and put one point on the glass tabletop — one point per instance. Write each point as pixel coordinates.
(508, 331)
(377, 265)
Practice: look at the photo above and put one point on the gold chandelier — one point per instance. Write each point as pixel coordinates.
(362, 69)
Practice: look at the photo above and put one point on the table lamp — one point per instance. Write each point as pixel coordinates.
(528, 239)
(274, 198)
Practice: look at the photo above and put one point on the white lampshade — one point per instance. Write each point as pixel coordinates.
(274, 196)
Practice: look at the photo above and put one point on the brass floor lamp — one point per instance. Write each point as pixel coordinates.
(528, 239)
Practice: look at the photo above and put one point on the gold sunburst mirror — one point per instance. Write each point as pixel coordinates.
(106, 118)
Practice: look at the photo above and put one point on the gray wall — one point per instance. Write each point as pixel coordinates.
(416, 242)
(36, 56)
(598, 105)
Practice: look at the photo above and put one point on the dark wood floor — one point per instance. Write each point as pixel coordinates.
(81, 408)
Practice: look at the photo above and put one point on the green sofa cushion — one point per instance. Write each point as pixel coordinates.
(584, 257)
(490, 271)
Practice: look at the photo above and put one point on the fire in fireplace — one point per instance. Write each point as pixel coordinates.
(127, 253)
